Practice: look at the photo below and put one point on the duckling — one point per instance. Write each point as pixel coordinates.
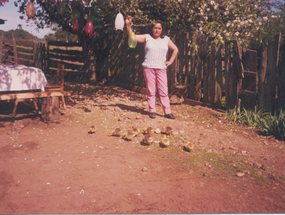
(164, 141)
(92, 129)
(189, 146)
(128, 135)
(147, 140)
(149, 130)
(116, 132)
(166, 130)
(136, 131)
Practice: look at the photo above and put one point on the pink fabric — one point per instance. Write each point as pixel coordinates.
(152, 78)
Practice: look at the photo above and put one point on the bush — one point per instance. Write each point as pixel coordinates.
(252, 119)
(275, 125)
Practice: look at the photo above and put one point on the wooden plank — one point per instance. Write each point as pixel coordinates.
(192, 77)
(198, 92)
(227, 72)
(8, 42)
(264, 96)
(211, 76)
(205, 71)
(15, 52)
(68, 58)
(66, 52)
(53, 63)
(64, 44)
(27, 43)
(1, 44)
(20, 96)
(219, 80)
(238, 59)
(25, 50)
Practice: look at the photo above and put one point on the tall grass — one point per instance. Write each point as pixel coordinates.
(268, 123)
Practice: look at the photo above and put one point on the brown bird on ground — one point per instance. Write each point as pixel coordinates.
(128, 135)
(164, 141)
(189, 146)
(147, 140)
(166, 130)
(136, 131)
(92, 129)
(149, 130)
(116, 132)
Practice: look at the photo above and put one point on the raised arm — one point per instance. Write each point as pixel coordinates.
(174, 50)
(140, 38)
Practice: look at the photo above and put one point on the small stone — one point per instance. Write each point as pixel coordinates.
(258, 165)
(175, 132)
(265, 143)
(233, 148)
(259, 173)
(181, 131)
(138, 117)
(144, 169)
(157, 131)
(239, 174)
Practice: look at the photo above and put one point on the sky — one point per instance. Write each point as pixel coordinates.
(9, 13)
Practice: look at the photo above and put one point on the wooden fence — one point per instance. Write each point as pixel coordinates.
(221, 76)
(69, 54)
(27, 52)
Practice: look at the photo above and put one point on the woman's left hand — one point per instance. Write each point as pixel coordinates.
(168, 63)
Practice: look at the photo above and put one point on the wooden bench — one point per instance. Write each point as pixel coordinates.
(19, 97)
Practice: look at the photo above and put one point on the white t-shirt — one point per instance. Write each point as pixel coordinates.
(155, 52)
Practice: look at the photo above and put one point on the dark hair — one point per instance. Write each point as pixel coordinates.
(162, 35)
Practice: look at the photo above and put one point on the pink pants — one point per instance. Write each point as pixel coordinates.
(157, 77)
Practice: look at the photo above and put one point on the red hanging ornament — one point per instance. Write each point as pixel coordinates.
(89, 28)
(3, 1)
(30, 10)
(75, 25)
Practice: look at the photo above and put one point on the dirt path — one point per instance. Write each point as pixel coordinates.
(61, 168)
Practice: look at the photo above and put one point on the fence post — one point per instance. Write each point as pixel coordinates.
(205, 71)
(211, 76)
(227, 72)
(219, 80)
(192, 78)
(197, 93)
(250, 81)
(1, 44)
(15, 51)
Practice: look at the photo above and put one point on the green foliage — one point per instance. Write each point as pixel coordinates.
(269, 124)
(19, 34)
(275, 125)
(250, 118)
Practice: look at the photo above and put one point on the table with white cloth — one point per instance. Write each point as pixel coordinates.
(21, 83)
(21, 77)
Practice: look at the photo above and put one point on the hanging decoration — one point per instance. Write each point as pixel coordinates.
(119, 21)
(89, 28)
(132, 41)
(30, 10)
(75, 25)
(3, 1)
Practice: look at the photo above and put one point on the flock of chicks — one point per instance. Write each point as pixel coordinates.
(148, 136)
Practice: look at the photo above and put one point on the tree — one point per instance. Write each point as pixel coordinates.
(224, 20)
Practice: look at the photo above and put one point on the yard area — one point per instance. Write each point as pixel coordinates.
(61, 168)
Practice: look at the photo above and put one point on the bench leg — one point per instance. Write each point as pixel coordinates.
(63, 101)
(15, 107)
(36, 105)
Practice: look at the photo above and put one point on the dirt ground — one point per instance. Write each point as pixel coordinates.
(61, 168)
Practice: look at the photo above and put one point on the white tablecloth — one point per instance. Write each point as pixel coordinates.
(20, 77)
